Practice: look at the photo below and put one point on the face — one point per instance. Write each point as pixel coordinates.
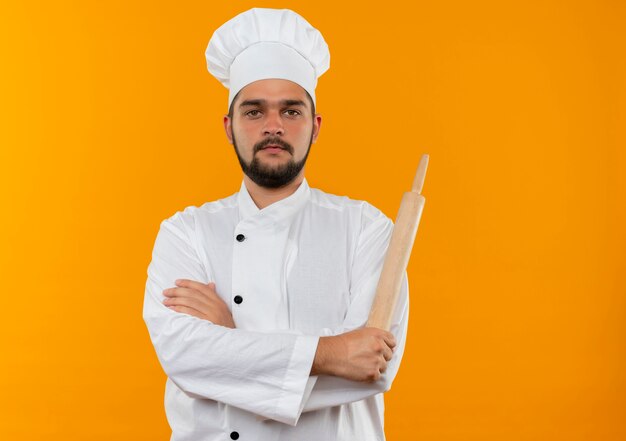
(272, 128)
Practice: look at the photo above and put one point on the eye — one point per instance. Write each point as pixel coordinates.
(292, 112)
(253, 113)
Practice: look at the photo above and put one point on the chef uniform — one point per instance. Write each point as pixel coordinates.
(303, 267)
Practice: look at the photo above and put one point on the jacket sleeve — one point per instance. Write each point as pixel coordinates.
(263, 373)
(327, 391)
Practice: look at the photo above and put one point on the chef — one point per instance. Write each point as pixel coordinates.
(256, 304)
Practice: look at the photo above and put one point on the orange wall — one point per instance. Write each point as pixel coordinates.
(110, 123)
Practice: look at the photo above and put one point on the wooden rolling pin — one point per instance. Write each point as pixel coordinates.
(399, 251)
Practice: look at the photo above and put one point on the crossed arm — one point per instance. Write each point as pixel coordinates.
(358, 355)
(275, 375)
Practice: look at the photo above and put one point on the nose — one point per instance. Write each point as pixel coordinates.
(273, 125)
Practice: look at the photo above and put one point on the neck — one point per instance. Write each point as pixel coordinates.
(263, 197)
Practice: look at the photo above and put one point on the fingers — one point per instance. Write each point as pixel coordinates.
(387, 337)
(387, 353)
(390, 340)
(208, 288)
(191, 288)
(187, 301)
(366, 355)
(187, 310)
(178, 293)
(385, 349)
(199, 300)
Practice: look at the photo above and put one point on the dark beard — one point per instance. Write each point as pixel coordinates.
(271, 177)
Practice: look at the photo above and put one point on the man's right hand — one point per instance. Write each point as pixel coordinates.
(359, 355)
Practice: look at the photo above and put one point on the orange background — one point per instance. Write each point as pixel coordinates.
(110, 123)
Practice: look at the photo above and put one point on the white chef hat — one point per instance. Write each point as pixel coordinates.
(267, 43)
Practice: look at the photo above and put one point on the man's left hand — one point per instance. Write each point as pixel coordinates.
(199, 300)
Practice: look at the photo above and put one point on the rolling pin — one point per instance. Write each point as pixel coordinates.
(398, 251)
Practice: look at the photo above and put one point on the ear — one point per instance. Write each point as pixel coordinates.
(228, 128)
(317, 125)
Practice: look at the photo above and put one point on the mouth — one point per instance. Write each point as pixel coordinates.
(273, 146)
(273, 150)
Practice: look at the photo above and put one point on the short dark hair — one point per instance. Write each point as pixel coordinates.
(232, 105)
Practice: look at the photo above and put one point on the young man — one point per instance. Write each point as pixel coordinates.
(256, 303)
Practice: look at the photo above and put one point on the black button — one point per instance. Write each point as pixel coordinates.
(240, 238)
(238, 299)
(234, 435)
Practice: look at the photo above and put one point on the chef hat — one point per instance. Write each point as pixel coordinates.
(267, 43)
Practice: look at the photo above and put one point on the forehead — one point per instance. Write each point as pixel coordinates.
(273, 90)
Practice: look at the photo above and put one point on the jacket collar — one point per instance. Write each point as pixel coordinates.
(278, 212)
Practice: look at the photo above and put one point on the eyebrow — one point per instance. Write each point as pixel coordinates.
(293, 103)
(260, 102)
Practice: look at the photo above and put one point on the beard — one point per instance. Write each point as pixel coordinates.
(272, 176)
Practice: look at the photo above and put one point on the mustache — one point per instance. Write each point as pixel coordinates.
(274, 141)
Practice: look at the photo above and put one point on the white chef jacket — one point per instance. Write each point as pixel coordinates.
(303, 267)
